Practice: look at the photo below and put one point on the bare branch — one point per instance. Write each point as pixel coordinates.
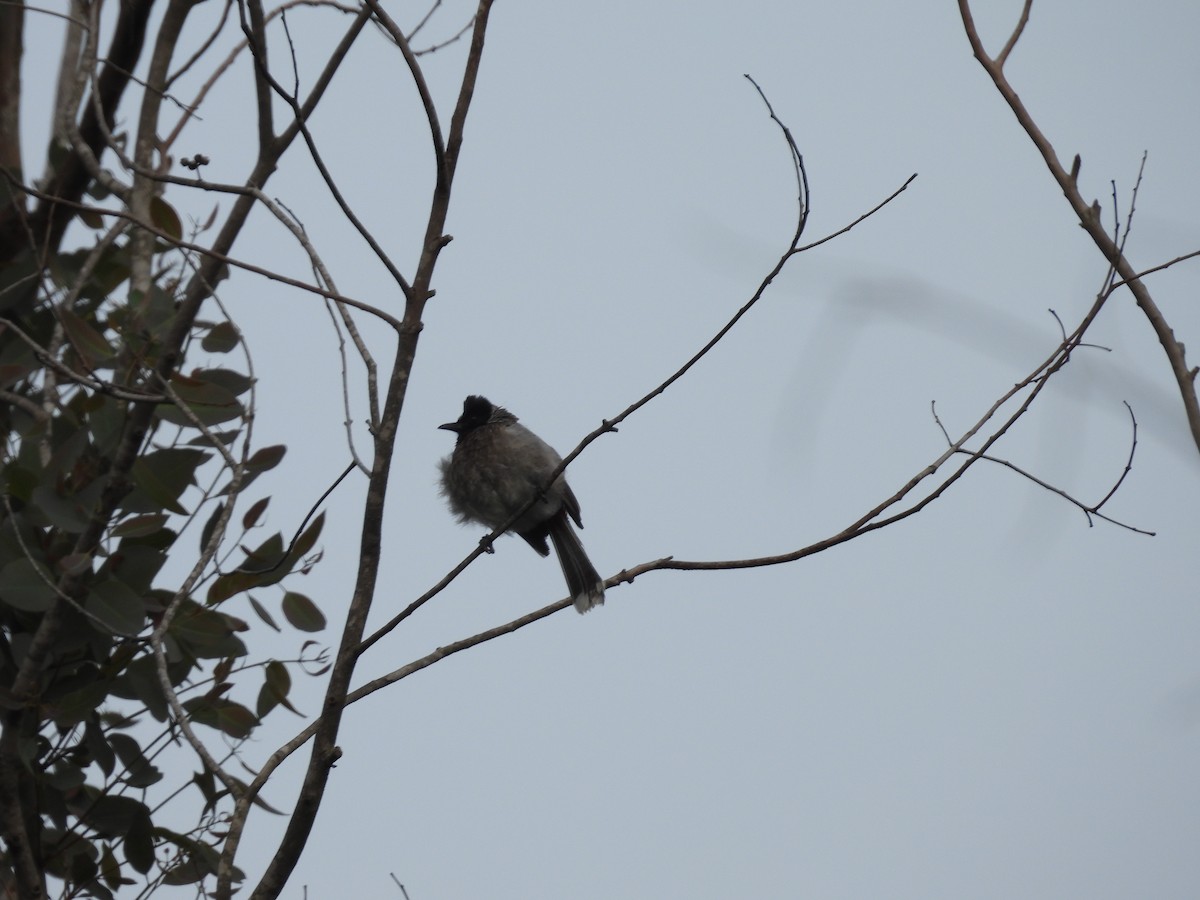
(864, 525)
(204, 47)
(336, 311)
(1016, 35)
(1128, 462)
(414, 68)
(1142, 274)
(441, 45)
(220, 70)
(609, 425)
(335, 192)
(1090, 221)
(324, 752)
(256, 34)
(1088, 511)
(876, 208)
(802, 200)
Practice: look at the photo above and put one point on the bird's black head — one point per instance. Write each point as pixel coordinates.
(477, 411)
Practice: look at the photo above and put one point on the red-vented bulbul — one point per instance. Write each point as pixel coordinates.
(497, 467)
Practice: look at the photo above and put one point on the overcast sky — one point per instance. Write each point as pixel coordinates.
(988, 700)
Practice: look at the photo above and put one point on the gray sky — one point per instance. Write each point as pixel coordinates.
(989, 700)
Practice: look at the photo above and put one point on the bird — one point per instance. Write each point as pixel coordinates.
(498, 467)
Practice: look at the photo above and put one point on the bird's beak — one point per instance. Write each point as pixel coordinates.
(451, 426)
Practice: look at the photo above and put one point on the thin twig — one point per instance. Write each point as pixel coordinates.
(609, 425)
(1016, 35)
(418, 77)
(325, 752)
(1128, 462)
(225, 260)
(1142, 274)
(46, 357)
(208, 551)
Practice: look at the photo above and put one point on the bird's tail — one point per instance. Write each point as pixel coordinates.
(584, 582)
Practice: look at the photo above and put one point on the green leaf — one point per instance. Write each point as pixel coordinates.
(112, 815)
(65, 776)
(258, 798)
(230, 585)
(139, 845)
(209, 401)
(136, 563)
(20, 482)
(66, 513)
(254, 513)
(224, 438)
(116, 605)
(75, 563)
(189, 870)
(91, 218)
(140, 682)
(196, 860)
(140, 526)
(221, 338)
(18, 281)
(163, 215)
(91, 346)
(110, 871)
(199, 390)
(107, 423)
(234, 382)
(302, 612)
(24, 586)
(210, 526)
(263, 614)
(278, 678)
(70, 702)
(161, 478)
(139, 772)
(305, 542)
(266, 458)
(83, 867)
(277, 683)
(111, 271)
(228, 717)
(264, 565)
(97, 745)
(151, 312)
(205, 633)
(206, 783)
(190, 862)
(263, 560)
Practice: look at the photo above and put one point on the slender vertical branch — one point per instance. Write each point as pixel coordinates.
(256, 34)
(414, 67)
(145, 151)
(324, 752)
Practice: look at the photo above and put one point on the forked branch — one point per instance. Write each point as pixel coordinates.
(1087, 213)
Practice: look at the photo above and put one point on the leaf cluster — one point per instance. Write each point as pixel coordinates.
(91, 528)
